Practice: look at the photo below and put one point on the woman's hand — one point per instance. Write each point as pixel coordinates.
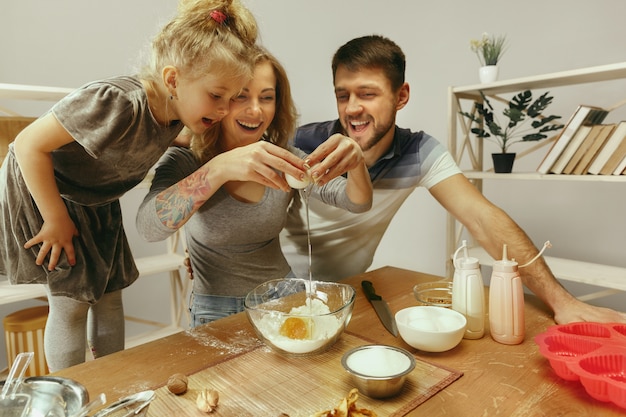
(260, 162)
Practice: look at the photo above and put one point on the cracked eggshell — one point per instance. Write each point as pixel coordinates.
(296, 183)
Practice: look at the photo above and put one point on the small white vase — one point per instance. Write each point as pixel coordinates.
(488, 73)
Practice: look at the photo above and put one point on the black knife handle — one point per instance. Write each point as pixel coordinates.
(369, 290)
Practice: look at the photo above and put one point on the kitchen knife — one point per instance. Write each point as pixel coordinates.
(381, 307)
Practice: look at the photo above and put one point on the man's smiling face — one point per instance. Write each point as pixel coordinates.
(366, 105)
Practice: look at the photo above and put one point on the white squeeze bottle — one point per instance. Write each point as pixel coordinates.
(506, 302)
(468, 297)
(506, 299)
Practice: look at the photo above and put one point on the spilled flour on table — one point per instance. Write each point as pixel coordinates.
(128, 389)
(238, 342)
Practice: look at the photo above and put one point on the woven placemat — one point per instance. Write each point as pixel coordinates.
(261, 383)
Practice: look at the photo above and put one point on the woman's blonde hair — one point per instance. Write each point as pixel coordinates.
(205, 36)
(280, 130)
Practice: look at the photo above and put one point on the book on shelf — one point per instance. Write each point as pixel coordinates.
(597, 144)
(621, 168)
(608, 151)
(615, 159)
(561, 163)
(584, 115)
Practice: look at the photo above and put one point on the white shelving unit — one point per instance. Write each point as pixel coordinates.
(169, 262)
(462, 143)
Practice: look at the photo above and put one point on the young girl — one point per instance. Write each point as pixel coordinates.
(230, 192)
(64, 174)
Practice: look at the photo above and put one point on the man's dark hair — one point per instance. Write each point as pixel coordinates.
(373, 51)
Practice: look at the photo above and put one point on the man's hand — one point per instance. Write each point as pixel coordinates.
(336, 156)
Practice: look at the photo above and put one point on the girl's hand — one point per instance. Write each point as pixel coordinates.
(337, 155)
(33, 148)
(55, 237)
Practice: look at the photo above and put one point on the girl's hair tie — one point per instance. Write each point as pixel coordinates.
(218, 16)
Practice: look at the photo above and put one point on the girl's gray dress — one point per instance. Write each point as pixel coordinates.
(116, 142)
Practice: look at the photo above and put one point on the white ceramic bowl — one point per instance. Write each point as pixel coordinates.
(431, 329)
(294, 320)
(378, 371)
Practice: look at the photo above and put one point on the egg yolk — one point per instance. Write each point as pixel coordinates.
(295, 328)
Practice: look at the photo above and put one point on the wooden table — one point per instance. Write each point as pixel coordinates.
(497, 379)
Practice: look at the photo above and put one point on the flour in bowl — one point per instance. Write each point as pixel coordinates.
(313, 327)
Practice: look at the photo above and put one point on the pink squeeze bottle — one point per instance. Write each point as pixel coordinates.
(506, 302)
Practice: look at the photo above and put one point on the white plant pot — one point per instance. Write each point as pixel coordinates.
(488, 73)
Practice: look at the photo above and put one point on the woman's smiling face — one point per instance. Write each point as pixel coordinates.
(252, 111)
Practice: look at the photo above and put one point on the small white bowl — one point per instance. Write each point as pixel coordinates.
(431, 329)
(378, 371)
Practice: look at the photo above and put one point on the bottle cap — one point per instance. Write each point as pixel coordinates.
(505, 264)
(467, 262)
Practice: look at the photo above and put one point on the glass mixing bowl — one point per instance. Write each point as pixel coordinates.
(300, 317)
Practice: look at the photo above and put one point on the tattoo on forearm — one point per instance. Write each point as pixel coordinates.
(176, 204)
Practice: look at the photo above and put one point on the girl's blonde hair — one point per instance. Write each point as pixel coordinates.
(280, 130)
(205, 36)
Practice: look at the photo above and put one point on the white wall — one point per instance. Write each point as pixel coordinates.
(68, 42)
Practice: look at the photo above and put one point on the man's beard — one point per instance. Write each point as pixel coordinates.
(373, 140)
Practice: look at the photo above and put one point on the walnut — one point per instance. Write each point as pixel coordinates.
(207, 400)
(177, 384)
(347, 408)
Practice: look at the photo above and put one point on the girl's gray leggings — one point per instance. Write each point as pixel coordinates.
(73, 324)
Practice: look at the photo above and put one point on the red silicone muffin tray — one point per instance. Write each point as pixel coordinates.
(592, 353)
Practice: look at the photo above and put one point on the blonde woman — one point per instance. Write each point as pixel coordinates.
(230, 192)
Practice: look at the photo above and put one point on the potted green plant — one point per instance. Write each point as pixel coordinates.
(519, 111)
(489, 49)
